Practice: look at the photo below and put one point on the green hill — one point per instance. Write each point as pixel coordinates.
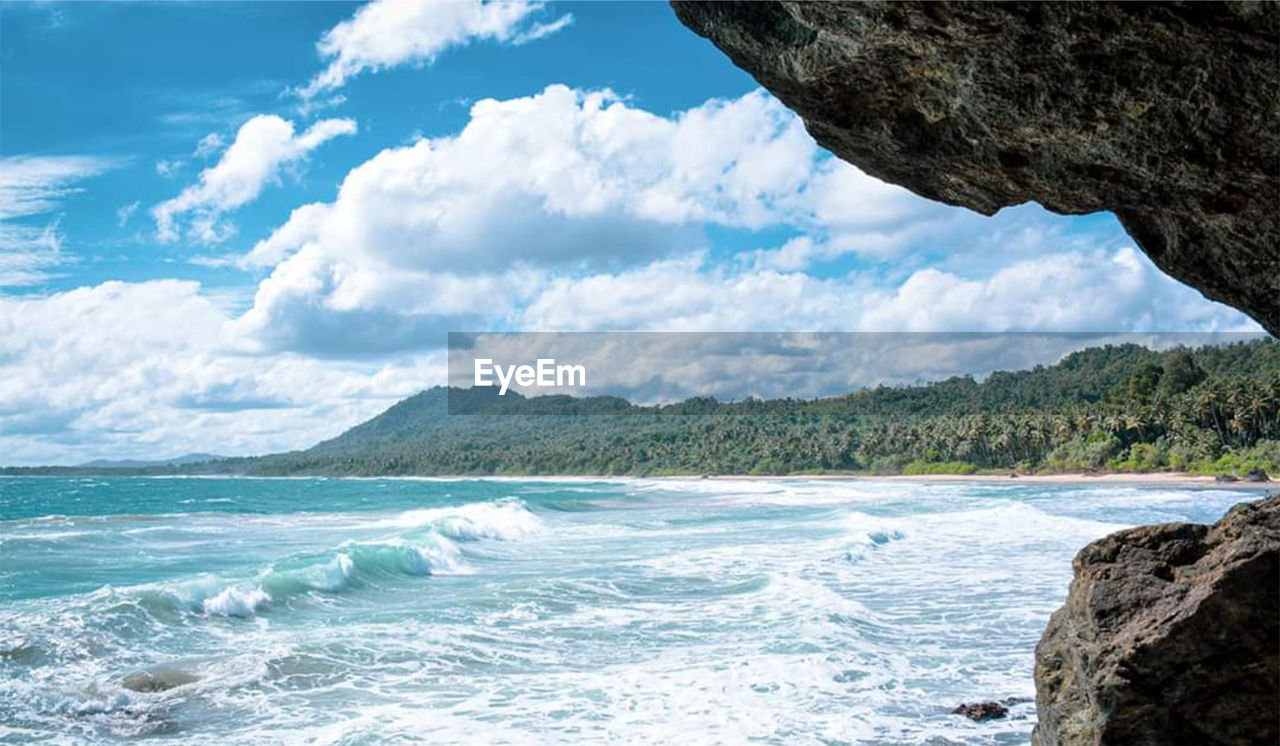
(1115, 407)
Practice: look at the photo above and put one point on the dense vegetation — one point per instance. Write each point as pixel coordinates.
(1208, 410)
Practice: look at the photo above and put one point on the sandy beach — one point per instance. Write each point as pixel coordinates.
(1154, 479)
(1161, 479)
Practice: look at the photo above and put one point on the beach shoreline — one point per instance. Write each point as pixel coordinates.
(1121, 479)
(1113, 479)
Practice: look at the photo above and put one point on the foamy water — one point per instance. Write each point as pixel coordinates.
(537, 612)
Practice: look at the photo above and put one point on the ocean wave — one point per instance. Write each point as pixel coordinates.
(426, 545)
(44, 536)
(869, 532)
(235, 602)
(1018, 518)
(353, 562)
(781, 492)
(503, 520)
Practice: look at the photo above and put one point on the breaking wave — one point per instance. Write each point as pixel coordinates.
(868, 533)
(352, 563)
(501, 519)
(430, 549)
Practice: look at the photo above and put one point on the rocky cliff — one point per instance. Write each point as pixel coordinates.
(1166, 114)
(1170, 635)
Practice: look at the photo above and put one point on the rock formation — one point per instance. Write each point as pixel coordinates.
(1167, 114)
(981, 711)
(1170, 635)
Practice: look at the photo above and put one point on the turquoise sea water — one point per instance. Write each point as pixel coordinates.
(537, 612)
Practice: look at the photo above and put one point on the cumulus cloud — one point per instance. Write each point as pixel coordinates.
(33, 186)
(328, 308)
(573, 207)
(561, 181)
(262, 147)
(1097, 291)
(388, 33)
(555, 177)
(97, 371)
(686, 294)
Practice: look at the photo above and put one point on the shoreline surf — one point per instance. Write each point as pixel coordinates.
(1130, 479)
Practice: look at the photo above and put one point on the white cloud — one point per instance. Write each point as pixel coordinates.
(209, 144)
(262, 147)
(28, 255)
(147, 369)
(567, 175)
(536, 31)
(795, 254)
(314, 304)
(125, 212)
(1075, 291)
(389, 33)
(563, 180)
(34, 185)
(31, 186)
(168, 168)
(569, 206)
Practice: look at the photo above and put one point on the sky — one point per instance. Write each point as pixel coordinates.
(244, 227)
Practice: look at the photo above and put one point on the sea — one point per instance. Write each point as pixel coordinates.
(538, 611)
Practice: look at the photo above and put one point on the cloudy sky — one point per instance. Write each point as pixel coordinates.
(244, 227)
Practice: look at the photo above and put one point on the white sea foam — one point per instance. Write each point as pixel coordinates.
(503, 520)
(868, 533)
(43, 536)
(233, 601)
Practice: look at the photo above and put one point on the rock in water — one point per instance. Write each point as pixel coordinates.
(1170, 635)
(158, 679)
(980, 711)
(1164, 113)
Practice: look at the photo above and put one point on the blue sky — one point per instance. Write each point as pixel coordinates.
(83, 78)
(241, 227)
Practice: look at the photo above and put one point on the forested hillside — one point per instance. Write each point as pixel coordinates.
(1210, 410)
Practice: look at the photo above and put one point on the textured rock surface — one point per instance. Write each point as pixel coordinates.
(1166, 114)
(1170, 635)
(981, 711)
